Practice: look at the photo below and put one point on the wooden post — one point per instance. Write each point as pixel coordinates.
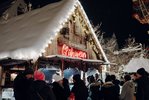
(84, 67)
(62, 61)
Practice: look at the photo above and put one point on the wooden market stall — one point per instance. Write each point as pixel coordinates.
(9, 68)
(60, 28)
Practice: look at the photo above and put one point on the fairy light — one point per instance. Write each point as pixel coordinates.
(34, 53)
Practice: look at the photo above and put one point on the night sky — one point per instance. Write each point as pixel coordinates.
(115, 16)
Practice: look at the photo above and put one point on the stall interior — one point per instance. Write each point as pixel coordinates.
(10, 69)
(66, 66)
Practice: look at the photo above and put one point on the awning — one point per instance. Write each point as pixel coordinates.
(65, 61)
(8, 62)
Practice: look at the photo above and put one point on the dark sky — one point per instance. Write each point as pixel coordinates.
(115, 15)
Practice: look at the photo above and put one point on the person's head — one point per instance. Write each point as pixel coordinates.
(38, 75)
(28, 72)
(65, 81)
(76, 78)
(141, 72)
(113, 77)
(134, 76)
(92, 79)
(96, 76)
(108, 78)
(127, 77)
(58, 78)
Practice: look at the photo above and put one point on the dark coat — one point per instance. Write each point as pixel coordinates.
(117, 88)
(21, 87)
(95, 89)
(142, 92)
(66, 87)
(109, 91)
(39, 89)
(80, 90)
(59, 91)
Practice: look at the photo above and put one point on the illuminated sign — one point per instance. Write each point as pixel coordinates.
(71, 52)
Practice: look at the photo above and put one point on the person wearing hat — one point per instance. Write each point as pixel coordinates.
(58, 87)
(22, 83)
(142, 85)
(39, 89)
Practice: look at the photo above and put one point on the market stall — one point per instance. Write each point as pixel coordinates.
(66, 31)
(9, 68)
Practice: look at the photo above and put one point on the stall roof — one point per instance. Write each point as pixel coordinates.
(7, 62)
(136, 63)
(26, 36)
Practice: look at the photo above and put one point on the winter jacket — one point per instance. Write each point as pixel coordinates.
(142, 92)
(80, 90)
(59, 91)
(127, 92)
(21, 87)
(95, 90)
(39, 90)
(109, 91)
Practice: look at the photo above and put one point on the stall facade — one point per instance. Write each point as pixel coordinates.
(60, 28)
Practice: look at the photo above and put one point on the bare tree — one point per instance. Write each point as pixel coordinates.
(123, 56)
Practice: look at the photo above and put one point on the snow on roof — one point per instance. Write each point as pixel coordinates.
(136, 63)
(26, 36)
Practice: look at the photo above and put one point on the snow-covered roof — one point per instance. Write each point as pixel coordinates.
(136, 63)
(26, 36)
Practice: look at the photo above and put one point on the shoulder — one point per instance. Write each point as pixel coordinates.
(107, 84)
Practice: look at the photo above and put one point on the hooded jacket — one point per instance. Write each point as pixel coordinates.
(127, 92)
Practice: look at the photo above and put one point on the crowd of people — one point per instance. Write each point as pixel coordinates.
(31, 85)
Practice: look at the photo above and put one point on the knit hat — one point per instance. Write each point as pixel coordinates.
(28, 71)
(39, 75)
(141, 71)
(57, 77)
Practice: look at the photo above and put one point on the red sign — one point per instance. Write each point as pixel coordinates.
(71, 52)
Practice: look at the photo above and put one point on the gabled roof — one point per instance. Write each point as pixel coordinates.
(26, 36)
(136, 63)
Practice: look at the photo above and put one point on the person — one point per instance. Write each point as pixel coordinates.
(39, 89)
(22, 83)
(79, 89)
(128, 89)
(142, 80)
(97, 78)
(94, 89)
(108, 89)
(58, 88)
(66, 87)
(116, 83)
